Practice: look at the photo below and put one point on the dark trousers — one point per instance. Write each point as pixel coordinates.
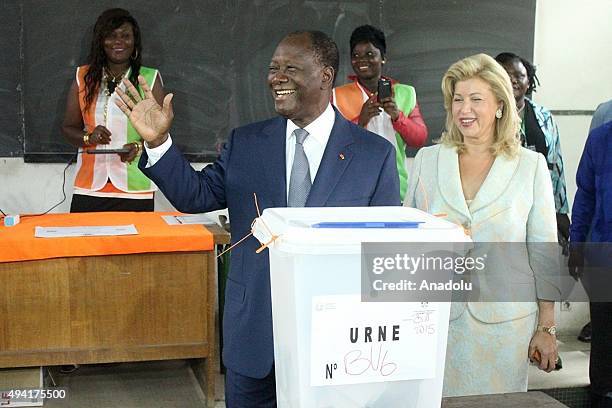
(84, 203)
(248, 392)
(600, 366)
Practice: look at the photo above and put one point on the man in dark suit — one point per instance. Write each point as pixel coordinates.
(309, 156)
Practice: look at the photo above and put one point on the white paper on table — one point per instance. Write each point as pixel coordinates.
(192, 219)
(88, 231)
(171, 219)
(335, 359)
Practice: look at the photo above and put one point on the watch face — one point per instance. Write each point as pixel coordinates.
(552, 330)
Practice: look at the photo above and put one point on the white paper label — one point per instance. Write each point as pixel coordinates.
(354, 342)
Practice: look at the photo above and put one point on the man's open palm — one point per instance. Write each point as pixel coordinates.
(149, 119)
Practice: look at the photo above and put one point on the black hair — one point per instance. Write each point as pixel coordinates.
(371, 34)
(106, 23)
(508, 57)
(324, 48)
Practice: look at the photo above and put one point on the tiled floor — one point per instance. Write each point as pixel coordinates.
(171, 384)
(159, 384)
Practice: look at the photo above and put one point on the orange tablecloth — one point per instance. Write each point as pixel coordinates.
(154, 235)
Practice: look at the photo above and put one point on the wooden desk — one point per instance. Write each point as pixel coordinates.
(116, 308)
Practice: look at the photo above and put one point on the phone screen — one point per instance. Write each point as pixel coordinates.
(384, 89)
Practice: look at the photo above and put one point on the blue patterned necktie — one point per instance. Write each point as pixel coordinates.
(299, 182)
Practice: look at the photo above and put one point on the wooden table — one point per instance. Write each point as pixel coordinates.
(531, 399)
(115, 308)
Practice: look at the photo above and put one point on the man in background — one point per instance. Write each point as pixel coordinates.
(592, 221)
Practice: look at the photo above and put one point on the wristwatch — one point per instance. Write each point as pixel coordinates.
(552, 330)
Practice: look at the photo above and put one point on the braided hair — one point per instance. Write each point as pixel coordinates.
(508, 57)
(107, 22)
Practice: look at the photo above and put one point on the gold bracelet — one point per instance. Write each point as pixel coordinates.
(86, 138)
(552, 330)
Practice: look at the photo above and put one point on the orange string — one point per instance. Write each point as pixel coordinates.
(259, 216)
(264, 245)
(236, 244)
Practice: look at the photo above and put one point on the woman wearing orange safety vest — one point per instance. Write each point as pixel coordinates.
(397, 117)
(109, 182)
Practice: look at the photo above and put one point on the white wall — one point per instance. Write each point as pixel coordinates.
(573, 54)
(31, 188)
(34, 188)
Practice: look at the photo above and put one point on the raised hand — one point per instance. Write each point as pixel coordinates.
(150, 120)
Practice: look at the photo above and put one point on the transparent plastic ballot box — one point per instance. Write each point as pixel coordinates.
(331, 349)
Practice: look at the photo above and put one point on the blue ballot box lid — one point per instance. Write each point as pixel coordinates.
(368, 224)
(323, 230)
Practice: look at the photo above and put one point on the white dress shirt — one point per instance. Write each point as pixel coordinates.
(156, 153)
(318, 130)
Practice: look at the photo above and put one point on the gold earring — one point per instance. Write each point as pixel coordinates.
(498, 113)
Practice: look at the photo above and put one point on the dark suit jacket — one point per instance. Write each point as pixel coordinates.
(357, 169)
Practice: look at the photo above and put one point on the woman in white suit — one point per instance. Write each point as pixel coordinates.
(479, 176)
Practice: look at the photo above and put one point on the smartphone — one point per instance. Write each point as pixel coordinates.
(108, 151)
(384, 89)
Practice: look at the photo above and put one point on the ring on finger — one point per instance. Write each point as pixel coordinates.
(130, 102)
(133, 94)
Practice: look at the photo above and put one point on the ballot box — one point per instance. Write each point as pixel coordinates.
(331, 349)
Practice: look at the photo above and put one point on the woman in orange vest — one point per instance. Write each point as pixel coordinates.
(109, 182)
(397, 117)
